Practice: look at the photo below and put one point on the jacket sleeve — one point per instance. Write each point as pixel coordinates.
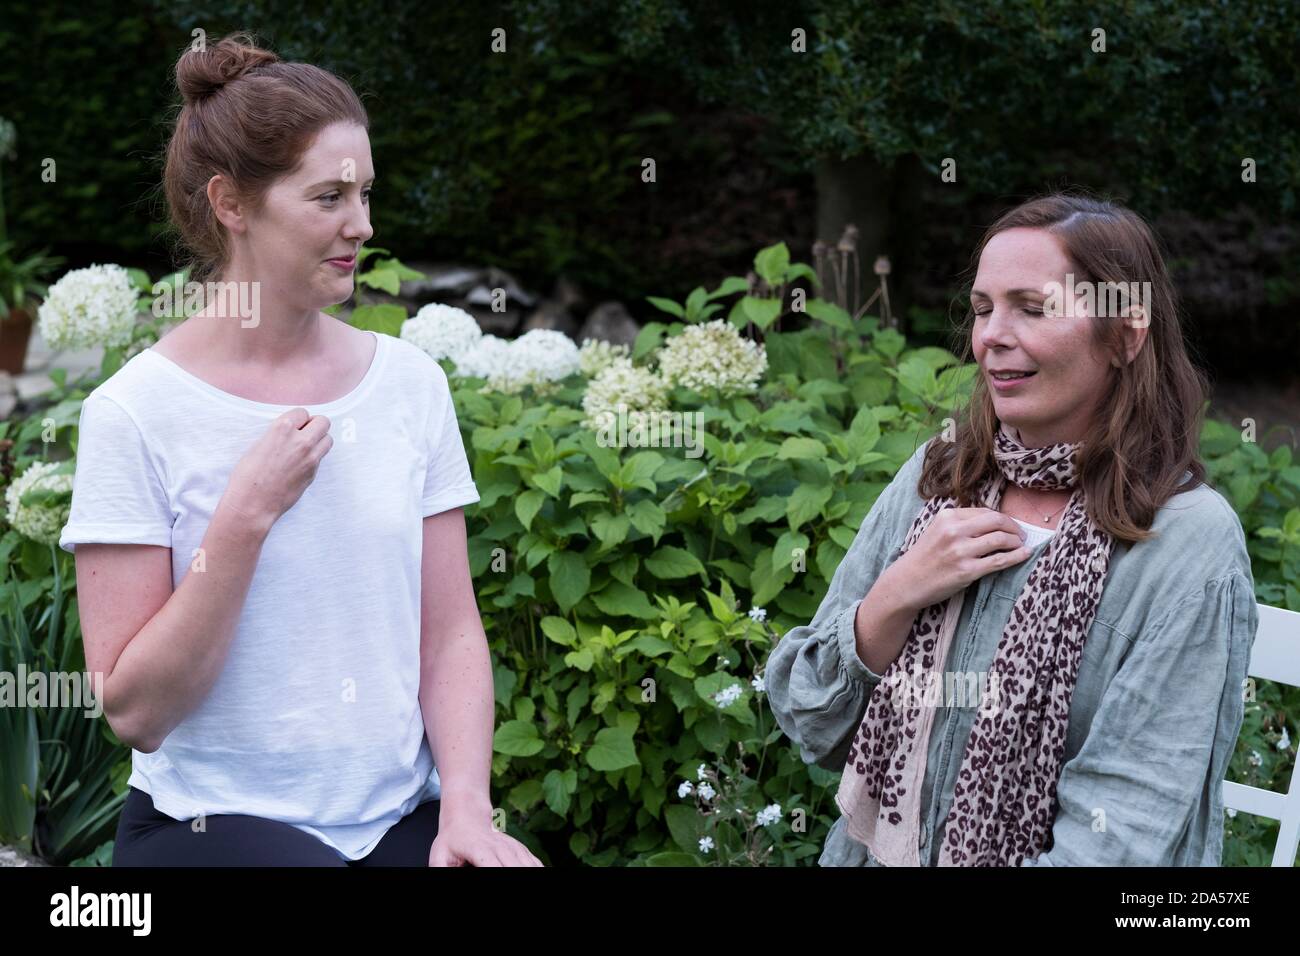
(1145, 789)
(817, 685)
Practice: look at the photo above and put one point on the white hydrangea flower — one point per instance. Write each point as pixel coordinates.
(685, 790)
(769, 815)
(729, 695)
(639, 391)
(758, 614)
(707, 792)
(443, 331)
(596, 355)
(701, 772)
(706, 844)
(89, 308)
(483, 358)
(537, 357)
(713, 355)
(40, 522)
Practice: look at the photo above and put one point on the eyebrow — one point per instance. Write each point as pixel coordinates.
(334, 182)
(1010, 292)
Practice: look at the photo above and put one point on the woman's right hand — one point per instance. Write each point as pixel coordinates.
(960, 545)
(272, 475)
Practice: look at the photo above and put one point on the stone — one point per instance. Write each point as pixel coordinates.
(12, 856)
(551, 315)
(609, 322)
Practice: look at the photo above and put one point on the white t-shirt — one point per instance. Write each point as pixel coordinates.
(315, 718)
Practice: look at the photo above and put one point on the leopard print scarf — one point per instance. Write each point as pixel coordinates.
(1004, 800)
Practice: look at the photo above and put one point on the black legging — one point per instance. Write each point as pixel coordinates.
(146, 837)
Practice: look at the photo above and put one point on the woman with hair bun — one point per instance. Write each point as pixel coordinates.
(268, 521)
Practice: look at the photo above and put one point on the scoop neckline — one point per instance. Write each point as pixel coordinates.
(272, 409)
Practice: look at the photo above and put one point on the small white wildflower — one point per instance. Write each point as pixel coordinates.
(758, 684)
(1285, 740)
(706, 844)
(700, 773)
(758, 614)
(713, 356)
(88, 308)
(707, 792)
(42, 522)
(686, 789)
(769, 814)
(729, 695)
(1231, 812)
(1255, 758)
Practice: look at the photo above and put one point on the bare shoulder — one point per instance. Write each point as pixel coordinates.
(174, 344)
(356, 347)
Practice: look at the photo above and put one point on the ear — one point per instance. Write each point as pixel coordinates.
(1135, 324)
(225, 204)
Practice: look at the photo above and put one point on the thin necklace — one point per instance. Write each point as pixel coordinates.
(1047, 519)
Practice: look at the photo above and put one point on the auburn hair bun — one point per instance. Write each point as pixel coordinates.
(201, 73)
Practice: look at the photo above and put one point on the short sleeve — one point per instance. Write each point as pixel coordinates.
(448, 482)
(817, 685)
(117, 495)
(1145, 788)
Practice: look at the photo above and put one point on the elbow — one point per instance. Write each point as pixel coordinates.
(128, 727)
(133, 736)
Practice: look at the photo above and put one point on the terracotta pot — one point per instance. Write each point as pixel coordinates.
(15, 333)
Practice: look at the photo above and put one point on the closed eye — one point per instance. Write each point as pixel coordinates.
(1024, 310)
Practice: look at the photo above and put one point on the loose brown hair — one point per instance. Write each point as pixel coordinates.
(1146, 433)
(249, 116)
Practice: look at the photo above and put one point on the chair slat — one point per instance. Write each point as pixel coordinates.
(1275, 656)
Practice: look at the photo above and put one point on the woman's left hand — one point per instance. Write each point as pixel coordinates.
(465, 842)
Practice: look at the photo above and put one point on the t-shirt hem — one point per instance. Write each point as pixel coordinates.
(80, 533)
(174, 810)
(464, 495)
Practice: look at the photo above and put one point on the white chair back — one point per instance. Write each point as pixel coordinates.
(1275, 657)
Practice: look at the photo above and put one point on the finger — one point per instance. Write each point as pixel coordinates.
(1003, 559)
(297, 417)
(978, 521)
(319, 425)
(481, 856)
(993, 542)
(521, 855)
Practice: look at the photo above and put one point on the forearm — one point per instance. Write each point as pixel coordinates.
(457, 701)
(167, 669)
(882, 623)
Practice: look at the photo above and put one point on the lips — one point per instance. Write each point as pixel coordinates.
(347, 263)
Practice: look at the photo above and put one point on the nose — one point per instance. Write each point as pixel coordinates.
(994, 330)
(357, 229)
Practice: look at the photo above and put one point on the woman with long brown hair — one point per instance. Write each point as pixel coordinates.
(1035, 650)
